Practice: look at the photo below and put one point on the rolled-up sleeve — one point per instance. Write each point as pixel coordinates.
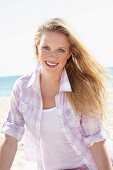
(14, 125)
(93, 130)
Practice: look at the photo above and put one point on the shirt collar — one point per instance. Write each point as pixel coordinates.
(64, 82)
(35, 80)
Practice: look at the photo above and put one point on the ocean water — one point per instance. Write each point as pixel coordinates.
(110, 70)
(6, 83)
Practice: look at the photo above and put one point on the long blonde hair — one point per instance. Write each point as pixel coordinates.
(85, 74)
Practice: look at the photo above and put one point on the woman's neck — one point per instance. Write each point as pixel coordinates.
(50, 79)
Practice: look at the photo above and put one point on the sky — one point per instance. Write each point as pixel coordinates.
(91, 20)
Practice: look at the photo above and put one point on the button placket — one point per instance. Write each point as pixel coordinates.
(59, 106)
(38, 124)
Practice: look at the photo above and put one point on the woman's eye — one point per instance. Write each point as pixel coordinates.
(61, 50)
(45, 48)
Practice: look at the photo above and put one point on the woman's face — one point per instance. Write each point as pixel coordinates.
(53, 52)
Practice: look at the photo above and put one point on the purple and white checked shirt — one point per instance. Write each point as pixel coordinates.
(25, 117)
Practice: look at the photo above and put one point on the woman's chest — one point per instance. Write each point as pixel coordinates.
(48, 102)
(32, 112)
(48, 97)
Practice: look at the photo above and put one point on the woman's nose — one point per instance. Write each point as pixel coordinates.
(52, 54)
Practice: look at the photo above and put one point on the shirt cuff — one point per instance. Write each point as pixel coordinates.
(90, 140)
(13, 130)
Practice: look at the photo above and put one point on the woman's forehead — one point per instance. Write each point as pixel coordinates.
(54, 37)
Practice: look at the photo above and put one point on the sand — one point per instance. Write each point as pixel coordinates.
(19, 162)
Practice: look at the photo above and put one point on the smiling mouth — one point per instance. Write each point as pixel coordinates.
(51, 64)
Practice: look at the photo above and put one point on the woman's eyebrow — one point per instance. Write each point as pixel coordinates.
(45, 44)
(63, 47)
(57, 47)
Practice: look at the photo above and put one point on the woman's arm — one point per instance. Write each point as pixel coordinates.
(101, 156)
(8, 150)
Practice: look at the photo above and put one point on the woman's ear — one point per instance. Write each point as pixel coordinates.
(37, 49)
(68, 57)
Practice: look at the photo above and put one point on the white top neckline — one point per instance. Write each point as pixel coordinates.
(54, 145)
(49, 110)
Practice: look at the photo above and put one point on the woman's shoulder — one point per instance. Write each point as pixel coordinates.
(22, 81)
(26, 79)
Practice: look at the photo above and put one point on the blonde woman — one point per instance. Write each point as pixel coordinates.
(59, 107)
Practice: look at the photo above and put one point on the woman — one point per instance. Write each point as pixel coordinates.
(60, 106)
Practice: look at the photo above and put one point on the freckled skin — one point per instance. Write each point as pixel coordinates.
(54, 41)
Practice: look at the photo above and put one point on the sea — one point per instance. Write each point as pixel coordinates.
(7, 82)
(6, 85)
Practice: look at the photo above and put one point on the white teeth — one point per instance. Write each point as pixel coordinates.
(51, 64)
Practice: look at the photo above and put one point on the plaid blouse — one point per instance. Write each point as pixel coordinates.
(25, 115)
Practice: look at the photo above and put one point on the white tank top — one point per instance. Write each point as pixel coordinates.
(56, 152)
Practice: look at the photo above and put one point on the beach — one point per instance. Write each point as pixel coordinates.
(19, 162)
